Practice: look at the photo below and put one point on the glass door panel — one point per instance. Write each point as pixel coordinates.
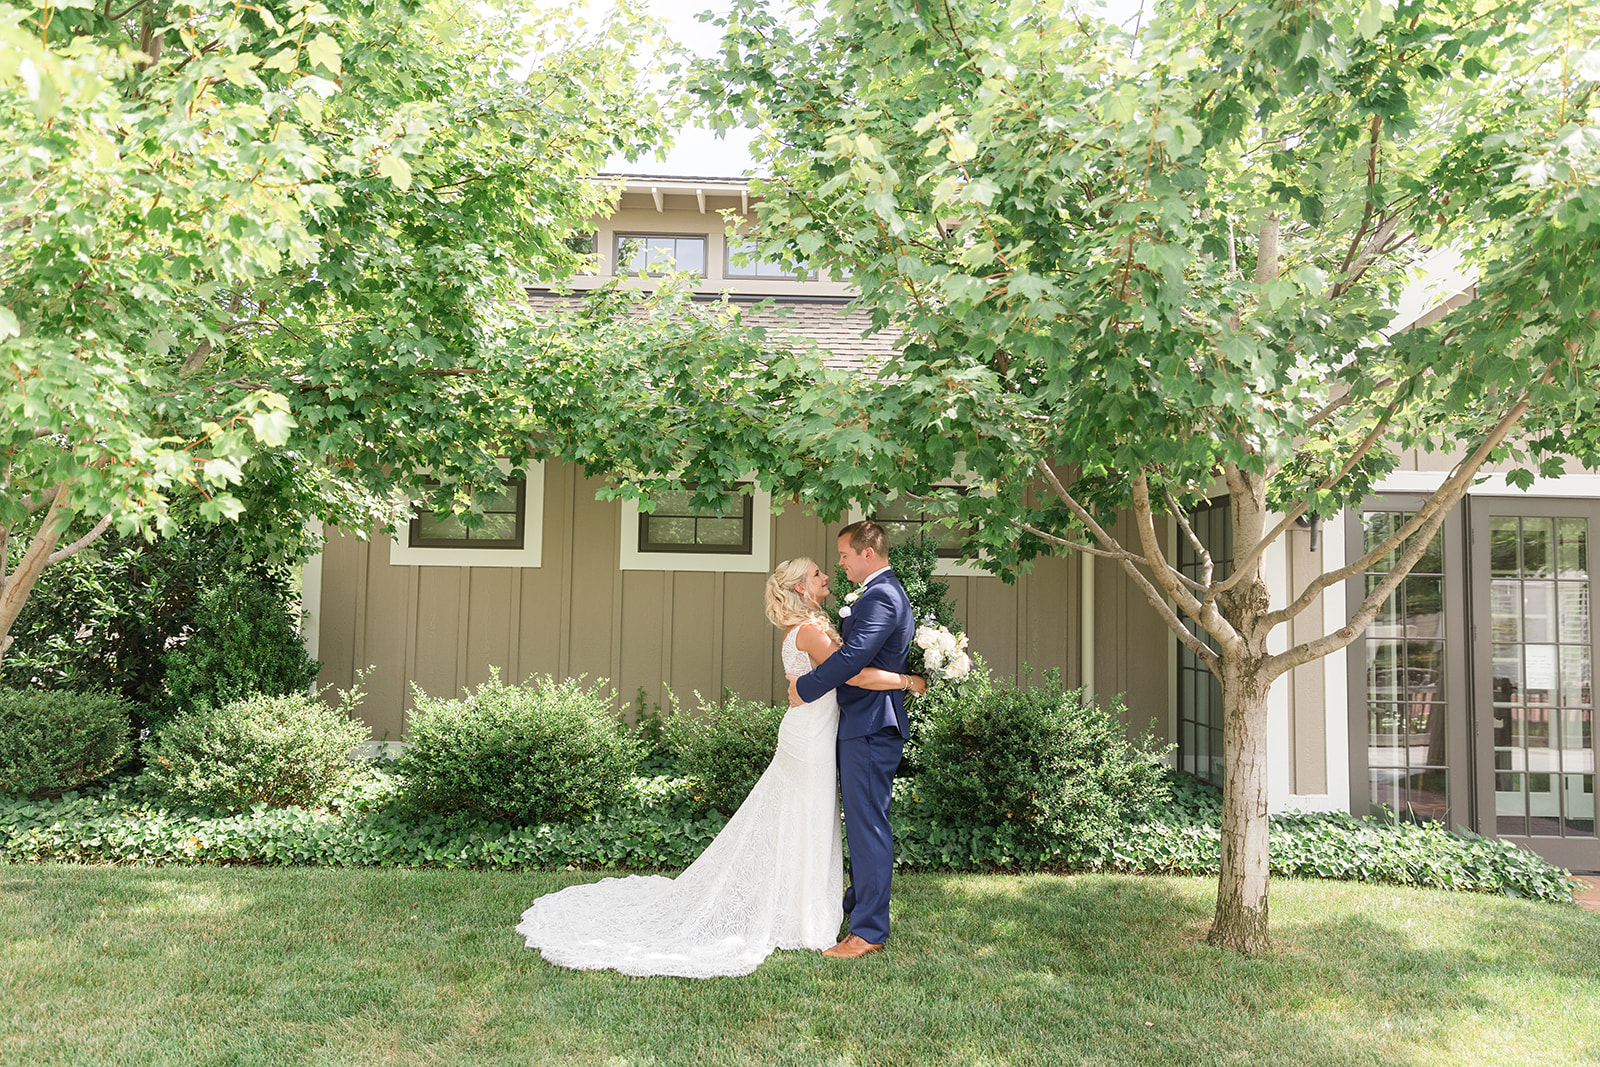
(1536, 651)
(1407, 722)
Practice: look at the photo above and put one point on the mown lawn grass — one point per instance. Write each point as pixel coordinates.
(206, 965)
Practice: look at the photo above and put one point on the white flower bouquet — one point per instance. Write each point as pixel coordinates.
(944, 654)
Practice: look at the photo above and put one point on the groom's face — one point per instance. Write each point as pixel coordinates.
(857, 565)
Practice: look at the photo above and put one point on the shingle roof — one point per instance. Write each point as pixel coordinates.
(829, 322)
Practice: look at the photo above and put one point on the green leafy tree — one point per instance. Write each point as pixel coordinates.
(104, 618)
(293, 234)
(1129, 273)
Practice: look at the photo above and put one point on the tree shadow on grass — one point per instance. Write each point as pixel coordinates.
(1355, 974)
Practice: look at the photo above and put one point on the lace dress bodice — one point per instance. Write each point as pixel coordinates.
(795, 660)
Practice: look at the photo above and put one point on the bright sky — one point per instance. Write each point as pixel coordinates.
(698, 152)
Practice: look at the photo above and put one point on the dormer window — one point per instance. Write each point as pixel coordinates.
(744, 261)
(656, 254)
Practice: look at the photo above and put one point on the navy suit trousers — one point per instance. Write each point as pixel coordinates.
(869, 762)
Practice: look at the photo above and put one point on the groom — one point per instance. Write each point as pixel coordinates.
(876, 625)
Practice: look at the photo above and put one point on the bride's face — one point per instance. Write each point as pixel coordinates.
(815, 586)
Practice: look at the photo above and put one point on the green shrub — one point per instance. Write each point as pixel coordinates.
(1190, 799)
(658, 825)
(52, 741)
(723, 750)
(243, 642)
(274, 750)
(532, 753)
(650, 727)
(1039, 761)
(105, 617)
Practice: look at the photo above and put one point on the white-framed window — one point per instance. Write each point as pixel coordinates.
(512, 533)
(742, 259)
(658, 253)
(904, 519)
(677, 537)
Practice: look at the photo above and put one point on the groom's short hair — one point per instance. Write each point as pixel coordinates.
(867, 534)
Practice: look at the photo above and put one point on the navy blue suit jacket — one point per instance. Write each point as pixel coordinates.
(876, 633)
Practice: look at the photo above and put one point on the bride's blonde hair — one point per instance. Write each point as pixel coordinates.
(787, 608)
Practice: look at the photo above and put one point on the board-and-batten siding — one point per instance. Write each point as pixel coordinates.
(443, 628)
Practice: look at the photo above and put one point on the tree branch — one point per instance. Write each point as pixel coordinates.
(1202, 611)
(81, 543)
(1300, 508)
(1208, 566)
(1346, 400)
(1078, 546)
(1439, 502)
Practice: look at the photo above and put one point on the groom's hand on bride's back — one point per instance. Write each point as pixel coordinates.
(794, 695)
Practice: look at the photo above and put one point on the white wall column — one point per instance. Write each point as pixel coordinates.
(311, 596)
(1086, 624)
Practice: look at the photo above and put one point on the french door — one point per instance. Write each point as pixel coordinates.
(1533, 655)
(1473, 695)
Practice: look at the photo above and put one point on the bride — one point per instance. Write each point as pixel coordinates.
(774, 876)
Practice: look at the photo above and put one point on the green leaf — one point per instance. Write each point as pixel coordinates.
(284, 61)
(272, 427)
(1374, 13)
(325, 53)
(396, 170)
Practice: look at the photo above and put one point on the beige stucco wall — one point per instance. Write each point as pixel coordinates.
(442, 628)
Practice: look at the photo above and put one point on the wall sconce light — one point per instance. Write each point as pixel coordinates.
(1312, 522)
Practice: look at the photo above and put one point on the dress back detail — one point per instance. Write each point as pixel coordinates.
(795, 660)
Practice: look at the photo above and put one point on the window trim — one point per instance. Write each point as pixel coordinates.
(1461, 763)
(402, 553)
(595, 265)
(758, 560)
(618, 236)
(1198, 672)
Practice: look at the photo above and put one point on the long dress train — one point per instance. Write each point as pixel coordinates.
(773, 878)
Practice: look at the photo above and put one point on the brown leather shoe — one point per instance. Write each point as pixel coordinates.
(851, 948)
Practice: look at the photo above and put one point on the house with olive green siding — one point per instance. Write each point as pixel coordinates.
(1468, 702)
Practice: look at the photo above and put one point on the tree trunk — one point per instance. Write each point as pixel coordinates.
(15, 588)
(1241, 918)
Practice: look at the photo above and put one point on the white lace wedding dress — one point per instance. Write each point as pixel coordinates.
(773, 878)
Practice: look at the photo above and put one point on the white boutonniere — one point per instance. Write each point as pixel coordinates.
(849, 598)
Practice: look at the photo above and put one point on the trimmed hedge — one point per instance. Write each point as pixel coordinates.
(525, 754)
(1044, 764)
(242, 642)
(661, 826)
(274, 750)
(55, 740)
